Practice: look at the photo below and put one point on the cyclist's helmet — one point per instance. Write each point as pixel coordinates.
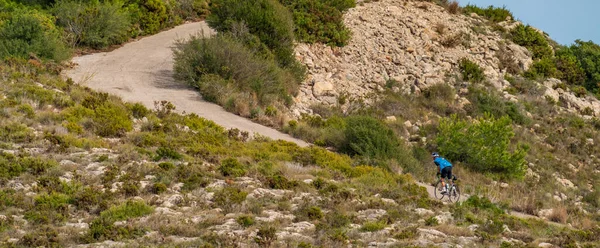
(435, 154)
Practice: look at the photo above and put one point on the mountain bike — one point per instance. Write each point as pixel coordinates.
(453, 192)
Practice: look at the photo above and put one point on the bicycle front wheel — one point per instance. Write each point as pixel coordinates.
(437, 191)
(454, 194)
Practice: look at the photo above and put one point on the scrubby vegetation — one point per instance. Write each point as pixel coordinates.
(494, 14)
(48, 29)
(320, 21)
(483, 146)
(126, 199)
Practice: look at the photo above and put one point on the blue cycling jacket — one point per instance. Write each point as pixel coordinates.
(442, 162)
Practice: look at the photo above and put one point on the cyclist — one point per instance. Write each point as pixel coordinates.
(445, 169)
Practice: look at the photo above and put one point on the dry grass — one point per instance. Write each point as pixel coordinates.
(453, 8)
(454, 40)
(559, 214)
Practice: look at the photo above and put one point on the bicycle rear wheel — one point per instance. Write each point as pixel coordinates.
(454, 194)
(437, 190)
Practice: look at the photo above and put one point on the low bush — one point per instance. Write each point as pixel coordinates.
(483, 146)
(167, 153)
(245, 220)
(103, 227)
(491, 13)
(45, 236)
(30, 32)
(49, 209)
(588, 56)
(533, 40)
(222, 67)
(268, 20)
(15, 132)
(232, 167)
(370, 138)
(373, 226)
(543, 68)
(307, 212)
(95, 24)
(112, 120)
(279, 181)
(320, 21)
(265, 236)
(229, 198)
(470, 71)
(149, 16)
(485, 102)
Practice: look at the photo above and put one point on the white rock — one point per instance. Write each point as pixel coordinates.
(371, 214)
(322, 88)
(423, 212)
(300, 227)
(430, 233)
(545, 245)
(444, 218)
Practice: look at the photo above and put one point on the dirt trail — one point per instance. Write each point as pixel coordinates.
(142, 71)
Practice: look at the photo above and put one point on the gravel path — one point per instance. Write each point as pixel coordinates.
(142, 71)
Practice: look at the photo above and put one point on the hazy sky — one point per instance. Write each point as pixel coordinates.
(565, 21)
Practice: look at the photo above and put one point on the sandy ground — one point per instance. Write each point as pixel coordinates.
(142, 71)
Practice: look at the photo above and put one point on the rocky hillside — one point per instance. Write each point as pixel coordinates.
(414, 44)
(79, 168)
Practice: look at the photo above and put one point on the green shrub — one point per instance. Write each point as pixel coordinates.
(138, 110)
(89, 199)
(31, 32)
(483, 146)
(431, 221)
(95, 24)
(245, 220)
(483, 101)
(158, 188)
(588, 56)
(167, 153)
(166, 166)
(307, 212)
(229, 197)
(569, 67)
(265, 236)
(336, 219)
(12, 166)
(103, 228)
(491, 13)
(232, 167)
(45, 236)
(15, 132)
(49, 209)
(543, 68)
(268, 20)
(221, 67)
(27, 110)
(373, 226)
(534, 41)
(112, 120)
(191, 9)
(320, 21)
(369, 137)
(279, 181)
(470, 71)
(149, 16)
